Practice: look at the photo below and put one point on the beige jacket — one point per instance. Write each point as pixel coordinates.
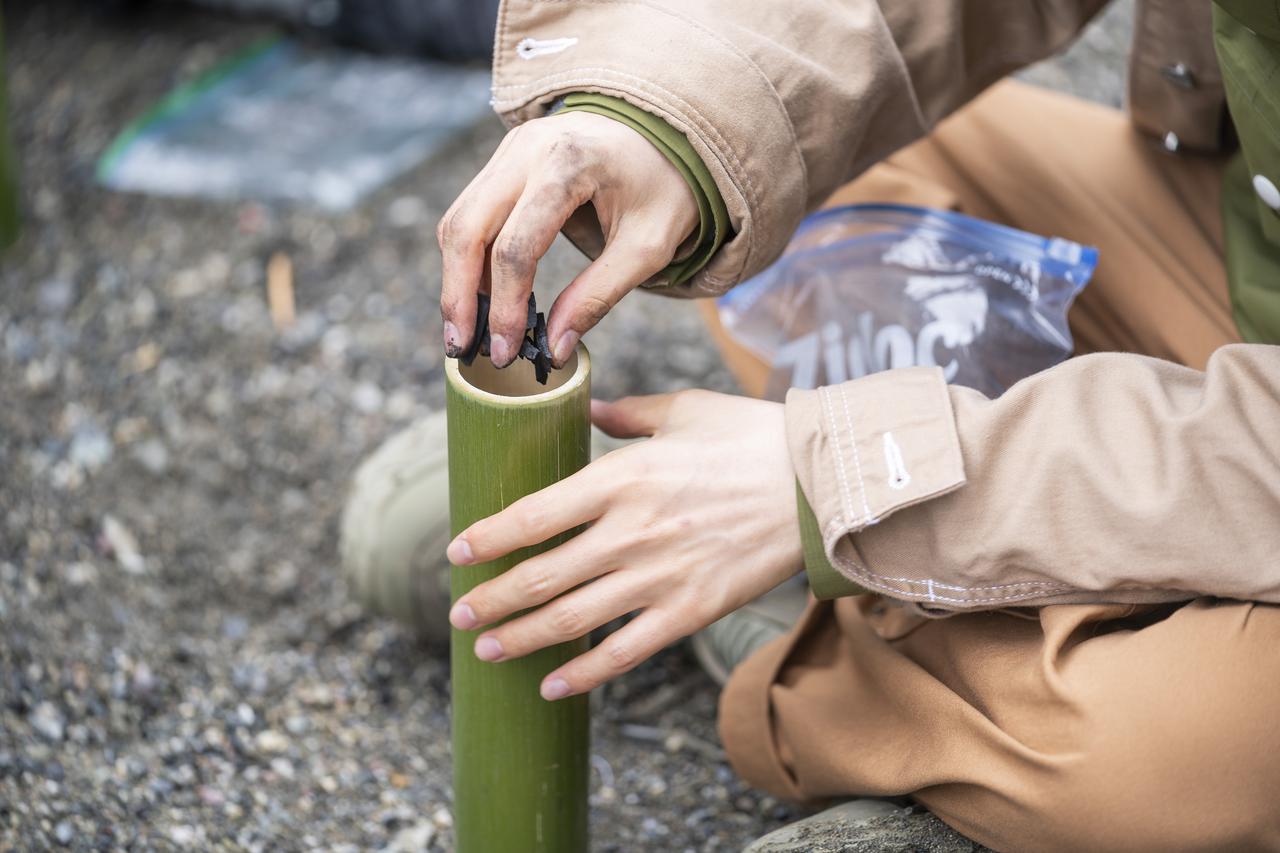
(1111, 477)
(785, 101)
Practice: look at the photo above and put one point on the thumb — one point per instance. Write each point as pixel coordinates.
(621, 267)
(631, 417)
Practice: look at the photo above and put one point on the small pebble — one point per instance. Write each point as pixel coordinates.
(152, 455)
(367, 398)
(80, 574)
(91, 448)
(121, 543)
(183, 835)
(412, 839)
(48, 721)
(271, 741)
(210, 796)
(56, 295)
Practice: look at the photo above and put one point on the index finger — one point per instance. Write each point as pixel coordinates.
(464, 234)
(534, 519)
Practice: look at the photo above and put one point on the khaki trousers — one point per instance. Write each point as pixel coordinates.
(1071, 727)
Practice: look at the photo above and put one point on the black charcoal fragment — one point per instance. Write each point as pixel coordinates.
(534, 346)
(540, 336)
(479, 340)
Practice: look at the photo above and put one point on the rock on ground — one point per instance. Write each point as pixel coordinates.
(180, 666)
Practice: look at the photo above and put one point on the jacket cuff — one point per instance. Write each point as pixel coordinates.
(542, 54)
(864, 450)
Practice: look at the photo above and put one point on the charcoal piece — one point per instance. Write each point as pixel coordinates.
(479, 340)
(542, 361)
(540, 336)
(534, 346)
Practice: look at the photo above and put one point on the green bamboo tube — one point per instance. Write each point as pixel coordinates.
(520, 763)
(8, 164)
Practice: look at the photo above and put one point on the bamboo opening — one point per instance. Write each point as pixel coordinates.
(518, 379)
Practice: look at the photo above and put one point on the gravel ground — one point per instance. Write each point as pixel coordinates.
(180, 666)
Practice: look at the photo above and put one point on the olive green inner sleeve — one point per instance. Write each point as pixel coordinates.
(1249, 60)
(1253, 262)
(824, 580)
(713, 215)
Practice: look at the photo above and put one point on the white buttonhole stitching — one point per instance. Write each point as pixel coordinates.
(533, 48)
(899, 476)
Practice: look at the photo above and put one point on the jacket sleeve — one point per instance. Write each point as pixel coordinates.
(1110, 477)
(782, 101)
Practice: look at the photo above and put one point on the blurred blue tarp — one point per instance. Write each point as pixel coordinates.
(283, 122)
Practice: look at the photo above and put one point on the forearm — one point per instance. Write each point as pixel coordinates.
(1109, 478)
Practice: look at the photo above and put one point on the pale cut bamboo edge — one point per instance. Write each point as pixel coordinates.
(453, 374)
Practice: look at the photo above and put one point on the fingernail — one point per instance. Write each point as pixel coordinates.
(459, 552)
(488, 648)
(564, 347)
(452, 340)
(556, 688)
(499, 351)
(462, 617)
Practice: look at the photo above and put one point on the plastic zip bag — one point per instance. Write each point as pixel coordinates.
(873, 287)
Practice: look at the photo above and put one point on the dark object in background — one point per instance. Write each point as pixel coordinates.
(8, 165)
(457, 30)
(444, 29)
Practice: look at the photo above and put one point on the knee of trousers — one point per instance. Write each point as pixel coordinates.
(1161, 779)
(1166, 739)
(1127, 794)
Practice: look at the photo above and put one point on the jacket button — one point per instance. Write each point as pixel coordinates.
(1267, 191)
(1179, 75)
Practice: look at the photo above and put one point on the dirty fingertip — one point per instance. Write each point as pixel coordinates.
(452, 340)
(500, 351)
(564, 347)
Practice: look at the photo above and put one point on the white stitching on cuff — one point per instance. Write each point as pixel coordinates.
(837, 529)
(824, 402)
(857, 459)
(865, 577)
(531, 48)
